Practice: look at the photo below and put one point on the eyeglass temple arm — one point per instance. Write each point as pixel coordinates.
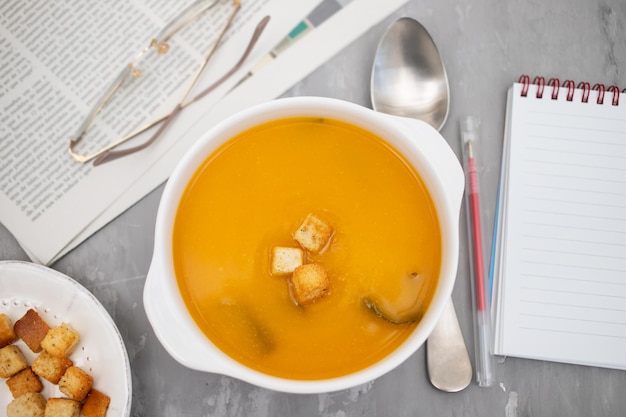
(113, 155)
(113, 87)
(253, 40)
(110, 155)
(208, 57)
(182, 19)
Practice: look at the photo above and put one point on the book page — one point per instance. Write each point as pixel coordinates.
(563, 277)
(46, 198)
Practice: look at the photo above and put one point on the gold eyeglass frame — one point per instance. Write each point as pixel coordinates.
(160, 44)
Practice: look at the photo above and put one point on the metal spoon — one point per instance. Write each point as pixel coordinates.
(409, 79)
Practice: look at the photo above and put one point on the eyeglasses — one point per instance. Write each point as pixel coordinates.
(159, 45)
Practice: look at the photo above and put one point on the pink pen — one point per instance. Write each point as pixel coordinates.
(482, 316)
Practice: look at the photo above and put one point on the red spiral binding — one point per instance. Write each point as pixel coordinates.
(555, 83)
(615, 90)
(540, 82)
(586, 87)
(571, 86)
(525, 81)
(600, 88)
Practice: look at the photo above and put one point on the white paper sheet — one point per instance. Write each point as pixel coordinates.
(561, 283)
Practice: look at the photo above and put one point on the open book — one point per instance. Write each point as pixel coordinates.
(60, 58)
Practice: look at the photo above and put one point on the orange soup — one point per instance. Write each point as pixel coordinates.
(251, 196)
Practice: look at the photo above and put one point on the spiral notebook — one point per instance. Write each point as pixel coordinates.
(559, 266)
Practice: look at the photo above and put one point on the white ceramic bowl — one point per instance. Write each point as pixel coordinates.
(420, 144)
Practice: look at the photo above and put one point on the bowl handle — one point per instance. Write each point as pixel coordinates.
(180, 338)
(443, 160)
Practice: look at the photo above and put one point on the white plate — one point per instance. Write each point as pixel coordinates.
(58, 298)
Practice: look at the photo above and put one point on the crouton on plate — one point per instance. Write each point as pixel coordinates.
(62, 407)
(11, 361)
(61, 340)
(51, 367)
(32, 329)
(7, 335)
(75, 383)
(23, 382)
(31, 404)
(96, 404)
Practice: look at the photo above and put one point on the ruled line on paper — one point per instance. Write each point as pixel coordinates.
(580, 190)
(577, 115)
(575, 165)
(594, 307)
(564, 239)
(574, 177)
(571, 319)
(556, 277)
(588, 216)
(562, 291)
(572, 152)
(568, 226)
(572, 332)
(590, 129)
(582, 203)
(592, 268)
(564, 252)
(570, 139)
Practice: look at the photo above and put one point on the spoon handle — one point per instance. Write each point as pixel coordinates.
(449, 366)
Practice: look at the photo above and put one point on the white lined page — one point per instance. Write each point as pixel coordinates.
(563, 271)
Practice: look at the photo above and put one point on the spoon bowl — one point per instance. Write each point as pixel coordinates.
(409, 80)
(408, 77)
